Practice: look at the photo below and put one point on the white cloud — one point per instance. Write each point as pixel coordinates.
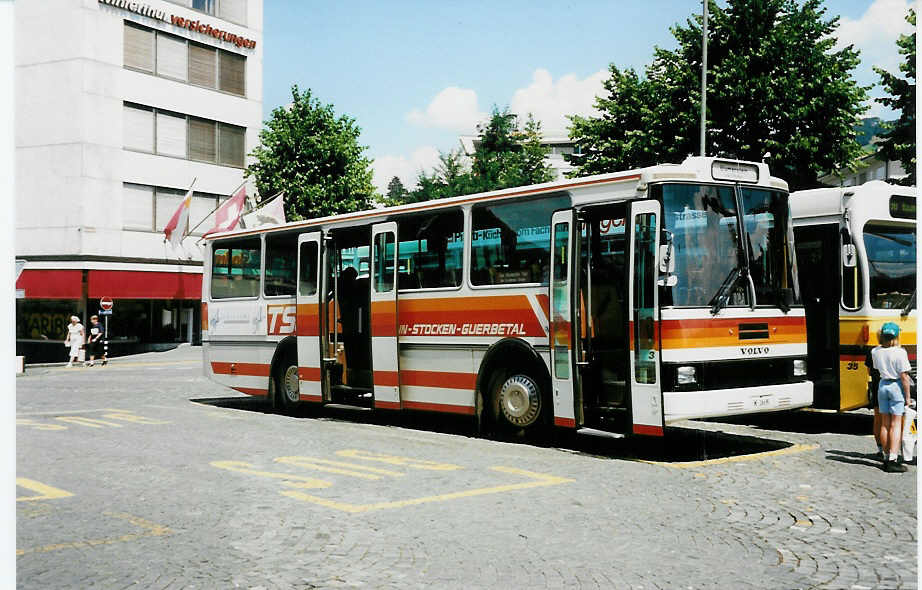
(550, 101)
(876, 33)
(405, 168)
(453, 108)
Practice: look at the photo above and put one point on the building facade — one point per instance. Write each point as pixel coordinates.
(121, 107)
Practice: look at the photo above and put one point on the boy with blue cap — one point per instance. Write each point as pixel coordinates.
(893, 394)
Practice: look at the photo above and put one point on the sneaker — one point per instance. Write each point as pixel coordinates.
(92, 363)
(894, 467)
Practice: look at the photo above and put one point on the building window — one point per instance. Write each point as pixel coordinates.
(139, 48)
(149, 208)
(182, 60)
(183, 136)
(232, 10)
(138, 128)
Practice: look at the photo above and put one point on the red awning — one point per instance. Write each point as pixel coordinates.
(51, 284)
(134, 284)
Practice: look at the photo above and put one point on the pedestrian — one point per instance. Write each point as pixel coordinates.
(893, 394)
(873, 386)
(94, 341)
(74, 339)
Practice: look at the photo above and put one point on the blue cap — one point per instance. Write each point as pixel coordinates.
(890, 329)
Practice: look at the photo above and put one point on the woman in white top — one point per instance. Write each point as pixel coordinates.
(75, 338)
(893, 393)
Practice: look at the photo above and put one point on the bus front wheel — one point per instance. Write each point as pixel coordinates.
(286, 382)
(517, 400)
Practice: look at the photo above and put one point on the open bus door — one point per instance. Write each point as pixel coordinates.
(384, 351)
(311, 379)
(643, 327)
(568, 409)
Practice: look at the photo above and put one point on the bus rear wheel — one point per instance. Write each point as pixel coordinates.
(517, 401)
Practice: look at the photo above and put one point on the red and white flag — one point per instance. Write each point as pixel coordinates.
(228, 214)
(175, 230)
(271, 213)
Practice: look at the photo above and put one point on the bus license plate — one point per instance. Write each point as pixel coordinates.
(762, 402)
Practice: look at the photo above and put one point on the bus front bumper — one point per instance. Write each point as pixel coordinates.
(686, 405)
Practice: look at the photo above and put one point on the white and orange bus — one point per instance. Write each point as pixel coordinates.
(622, 302)
(856, 246)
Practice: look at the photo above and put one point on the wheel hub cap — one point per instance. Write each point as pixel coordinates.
(290, 384)
(520, 401)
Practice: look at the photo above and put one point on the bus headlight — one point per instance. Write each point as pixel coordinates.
(800, 367)
(686, 376)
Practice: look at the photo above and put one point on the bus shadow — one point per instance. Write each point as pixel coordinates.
(679, 445)
(806, 422)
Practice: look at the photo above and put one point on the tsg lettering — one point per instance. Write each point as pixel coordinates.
(281, 319)
(754, 350)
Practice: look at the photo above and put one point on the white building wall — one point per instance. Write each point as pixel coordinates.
(70, 90)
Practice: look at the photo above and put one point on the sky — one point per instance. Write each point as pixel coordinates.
(416, 75)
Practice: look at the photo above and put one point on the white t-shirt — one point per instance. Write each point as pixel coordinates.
(890, 361)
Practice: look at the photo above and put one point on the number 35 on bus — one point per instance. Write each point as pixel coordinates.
(623, 302)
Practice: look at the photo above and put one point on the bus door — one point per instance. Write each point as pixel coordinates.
(643, 327)
(310, 329)
(563, 319)
(384, 351)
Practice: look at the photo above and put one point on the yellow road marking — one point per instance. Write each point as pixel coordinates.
(130, 417)
(311, 463)
(38, 425)
(150, 529)
(46, 492)
(91, 422)
(737, 459)
(298, 481)
(307, 463)
(538, 480)
(395, 460)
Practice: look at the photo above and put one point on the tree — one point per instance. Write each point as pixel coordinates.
(899, 143)
(505, 155)
(396, 192)
(314, 157)
(775, 86)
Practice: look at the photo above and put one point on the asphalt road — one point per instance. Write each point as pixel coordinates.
(144, 474)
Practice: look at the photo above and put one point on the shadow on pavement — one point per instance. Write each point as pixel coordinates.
(677, 446)
(806, 422)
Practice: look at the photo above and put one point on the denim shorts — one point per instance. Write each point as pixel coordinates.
(890, 397)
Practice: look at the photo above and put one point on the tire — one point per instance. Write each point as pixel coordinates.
(518, 401)
(285, 379)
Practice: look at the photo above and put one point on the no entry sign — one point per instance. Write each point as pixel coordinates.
(105, 303)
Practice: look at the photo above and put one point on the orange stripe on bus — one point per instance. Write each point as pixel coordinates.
(387, 405)
(309, 398)
(439, 379)
(386, 378)
(429, 407)
(648, 430)
(309, 373)
(308, 319)
(384, 318)
(247, 369)
(726, 332)
(566, 422)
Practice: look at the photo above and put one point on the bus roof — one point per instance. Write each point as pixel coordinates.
(826, 205)
(703, 169)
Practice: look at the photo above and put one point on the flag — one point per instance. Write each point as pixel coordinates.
(272, 213)
(228, 214)
(175, 230)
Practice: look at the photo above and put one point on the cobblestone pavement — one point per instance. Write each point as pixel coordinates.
(144, 474)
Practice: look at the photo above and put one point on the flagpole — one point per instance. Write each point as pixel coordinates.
(216, 208)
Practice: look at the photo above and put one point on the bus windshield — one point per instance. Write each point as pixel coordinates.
(703, 220)
(891, 254)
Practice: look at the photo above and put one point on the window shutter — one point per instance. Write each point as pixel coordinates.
(233, 73)
(171, 135)
(203, 206)
(233, 10)
(172, 57)
(231, 147)
(139, 48)
(202, 65)
(201, 140)
(138, 206)
(138, 128)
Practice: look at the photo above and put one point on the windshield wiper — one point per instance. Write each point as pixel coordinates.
(722, 297)
(910, 305)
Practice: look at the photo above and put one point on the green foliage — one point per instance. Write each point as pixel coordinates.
(314, 157)
(506, 155)
(775, 86)
(396, 192)
(899, 143)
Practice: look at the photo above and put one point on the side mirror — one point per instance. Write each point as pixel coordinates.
(849, 256)
(667, 258)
